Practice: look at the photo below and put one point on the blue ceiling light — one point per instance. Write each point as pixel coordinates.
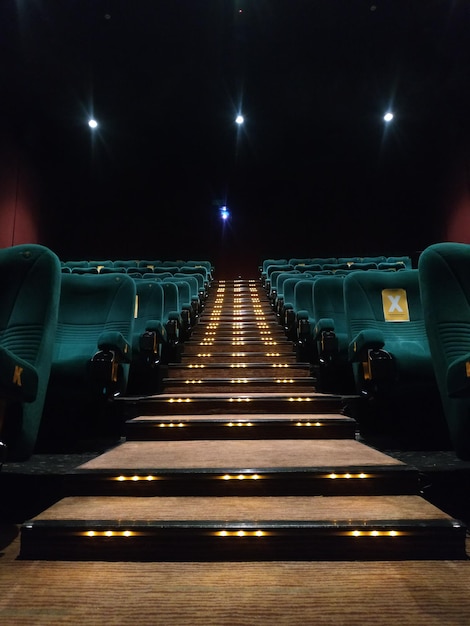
(224, 213)
(388, 117)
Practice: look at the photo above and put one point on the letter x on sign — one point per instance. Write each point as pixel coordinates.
(395, 305)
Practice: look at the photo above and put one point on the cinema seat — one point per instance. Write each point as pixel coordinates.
(100, 264)
(186, 311)
(30, 278)
(444, 275)
(92, 348)
(279, 300)
(330, 333)
(172, 321)
(149, 337)
(206, 264)
(388, 346)
(196, 303)
(304, 319)
(406, 260)
(287, 311)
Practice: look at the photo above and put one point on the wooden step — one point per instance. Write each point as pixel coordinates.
(233, 426)
(239, 383)
(225, 369)
(243, 467)
(276, 359)
(234, 528)
(210, 345)
(212, 403)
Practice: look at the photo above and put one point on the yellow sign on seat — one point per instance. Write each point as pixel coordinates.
(395, 305)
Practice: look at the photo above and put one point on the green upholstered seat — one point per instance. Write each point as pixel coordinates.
(405, 259)
(444, 274)
(384, 312)
(323, 260)
(267, 263)
(308, 267)
(195, 299)
(206, 264)
(149, 264)
(100, 264)
(30, 277)
(279, 300)
(304, 318)
(172, 321)
(330, 334)
(148, 338)
(287, 312)
(188, 317)
(92, 347)
(125, 263)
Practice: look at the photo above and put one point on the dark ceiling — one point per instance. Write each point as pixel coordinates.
(314, 169)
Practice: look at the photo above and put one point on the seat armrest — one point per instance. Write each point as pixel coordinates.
(458, 377)
(324, 323)
(302, 315)
(155, 326)
(369, 339)
(114, 340)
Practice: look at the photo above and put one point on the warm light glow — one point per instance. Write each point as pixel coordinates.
(375, 533)
(241, 533)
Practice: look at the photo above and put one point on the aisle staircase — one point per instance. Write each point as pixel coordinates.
(239, 458)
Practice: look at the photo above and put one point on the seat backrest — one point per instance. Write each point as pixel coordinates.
(171, 303)
(303, 297)
(30, 278)
(281, 279)
(192, 281)
(289, 288)
(405, 259)
(150, 301)
(125, 263)
(444, 275)
(309, 267)
(266, 262)
(328, 303)
(184, 290)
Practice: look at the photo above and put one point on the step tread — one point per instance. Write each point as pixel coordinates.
(340, 510)
(238, 455)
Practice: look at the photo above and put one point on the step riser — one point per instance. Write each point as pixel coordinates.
(257, 347)
(216, 543)
(247, 372)
(239, 405)
(228, 483)
(167, 431)
(245, 358)
(226, 386)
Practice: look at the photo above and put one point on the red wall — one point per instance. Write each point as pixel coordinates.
(19, 199)
(456, 222)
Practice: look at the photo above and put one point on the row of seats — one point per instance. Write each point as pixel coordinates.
(331, 264)
(140, 266)
(390, 337)
(71, 340)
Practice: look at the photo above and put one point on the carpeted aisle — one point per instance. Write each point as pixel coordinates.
(288, 593)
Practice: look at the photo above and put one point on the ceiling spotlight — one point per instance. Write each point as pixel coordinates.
(92, 123)
(239, 119)
(388, 117)
(224, 213)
